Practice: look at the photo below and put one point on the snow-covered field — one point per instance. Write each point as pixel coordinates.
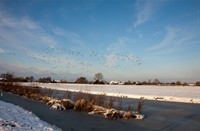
(187, 94)
(15, 118)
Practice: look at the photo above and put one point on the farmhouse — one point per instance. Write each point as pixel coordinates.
(116, 83)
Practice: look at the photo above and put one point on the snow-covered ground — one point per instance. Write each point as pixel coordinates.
(15, 118)
(187, 94)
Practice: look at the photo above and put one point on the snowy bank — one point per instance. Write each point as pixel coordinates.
(186, 94)
(16, 118)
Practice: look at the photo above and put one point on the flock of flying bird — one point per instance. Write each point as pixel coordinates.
(62, 61)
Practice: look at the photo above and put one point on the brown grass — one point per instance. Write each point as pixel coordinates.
(110, 102)
(130, 108)
(29, 92)
(119, 103)
(100, 100)
(140, 106)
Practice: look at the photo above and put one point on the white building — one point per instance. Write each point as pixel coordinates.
(116, 83)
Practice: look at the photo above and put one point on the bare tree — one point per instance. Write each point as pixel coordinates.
(156, 82)
(98, 77)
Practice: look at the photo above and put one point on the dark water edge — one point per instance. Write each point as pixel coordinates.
(160, 115)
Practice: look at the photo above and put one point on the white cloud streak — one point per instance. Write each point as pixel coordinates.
(23, 23)
(118, 45)
(24, 34)
(72, 37)
(171, 34)
(111, 59)
(145, 10)
(176, 37)
(23, 31)
(2, 50)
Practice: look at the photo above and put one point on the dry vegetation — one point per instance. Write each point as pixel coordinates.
(86, 102)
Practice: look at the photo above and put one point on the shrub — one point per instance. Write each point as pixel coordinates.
(81, 80)
(140, 106)
(98, 82)
(197, 83)
(83, 105)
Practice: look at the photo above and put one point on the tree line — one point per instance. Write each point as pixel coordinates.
(10, 77)
(98, 79)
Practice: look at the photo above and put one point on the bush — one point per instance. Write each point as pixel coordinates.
(197, 83)
(98, 82)
(81, 80)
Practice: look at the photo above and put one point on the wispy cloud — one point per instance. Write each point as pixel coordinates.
(23, 23)
(2, 50)
(50, 41)
(29, 24)
(118, 45)
(23, 70)
(72, 37)
(24, 32)
(176, 37)
(119, 53)
(168, 39)
(144, 11)
(111, 59)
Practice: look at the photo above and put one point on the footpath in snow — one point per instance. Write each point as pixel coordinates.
(186, 94)
(15, 118)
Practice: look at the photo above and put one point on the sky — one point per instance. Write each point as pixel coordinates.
(135, 40)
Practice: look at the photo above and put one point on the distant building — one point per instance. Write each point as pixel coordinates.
(191, 84)
(138, 83)
(117, 83)
(2, 79)
(114, 82)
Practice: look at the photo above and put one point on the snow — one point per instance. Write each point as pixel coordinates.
(15, 118)
(116, 114)
(140, 116)
(186, 94)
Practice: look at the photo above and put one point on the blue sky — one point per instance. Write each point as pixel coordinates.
(123, 39)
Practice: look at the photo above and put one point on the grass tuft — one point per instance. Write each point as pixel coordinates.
(140, 106)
